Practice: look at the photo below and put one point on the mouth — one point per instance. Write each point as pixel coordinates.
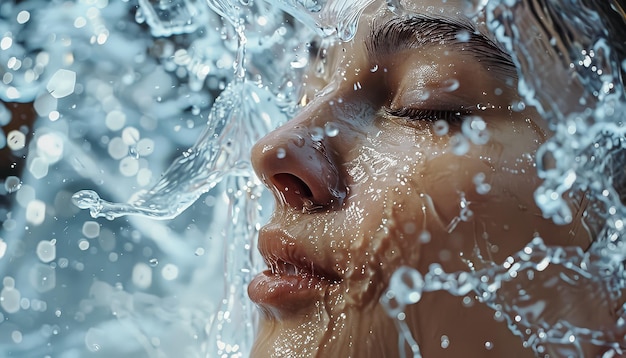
(293, 280)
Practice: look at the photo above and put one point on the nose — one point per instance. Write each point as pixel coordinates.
(300, 167)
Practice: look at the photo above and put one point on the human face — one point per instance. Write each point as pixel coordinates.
(366, 181)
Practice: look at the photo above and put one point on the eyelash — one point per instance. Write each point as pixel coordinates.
(431, 115)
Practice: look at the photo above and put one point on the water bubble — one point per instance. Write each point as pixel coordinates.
(43, 277)
(463, 36)
(83, 244)
(16, 336)
(317, 134)
(16, 140)
(450, 85)
(50, 147)
(93, 339)
(36, 212)
(475, 129)
(46, 251)
(441, 127)
(459, 143)
(142, 275)
(331, 129)
(199, 251)
(10, 299)
(91, 229)
(62, 83)
(154, 262)
(445, 341)
(23, 17)
(407, 284)
(169, 272)
(3, 248)
(45, 104)
(12, 184)
(424, 237)
(5, 115)
(115, 120)
(38, 167)
(281, 153)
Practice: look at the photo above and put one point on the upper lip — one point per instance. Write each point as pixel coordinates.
(285, 256)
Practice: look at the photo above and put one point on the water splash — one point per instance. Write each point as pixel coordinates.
(579, 164)
(223, 148)
(505, 288)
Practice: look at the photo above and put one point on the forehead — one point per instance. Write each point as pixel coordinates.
(450, 9)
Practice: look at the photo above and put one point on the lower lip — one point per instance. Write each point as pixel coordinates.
(286, 292)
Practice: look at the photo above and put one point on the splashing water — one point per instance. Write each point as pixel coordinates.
(581, 157)
(92, 74)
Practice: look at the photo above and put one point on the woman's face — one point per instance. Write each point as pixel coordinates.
(367, 178)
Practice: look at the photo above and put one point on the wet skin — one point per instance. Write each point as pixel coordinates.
(352, 206)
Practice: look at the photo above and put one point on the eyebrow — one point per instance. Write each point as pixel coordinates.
(421, 31)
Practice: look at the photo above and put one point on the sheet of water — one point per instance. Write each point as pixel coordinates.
(122, 88)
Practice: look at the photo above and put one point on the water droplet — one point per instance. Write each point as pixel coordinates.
(281, 153)
(199, 251)
(16, 140)
(154, 262)
(12, 184)
(463, 36)
(62, 83)
(331, 129)
(445, 342)
(83, 244)
(450, 85)
(459, 143)
(441, 127)
(317, 134)
(46, 251)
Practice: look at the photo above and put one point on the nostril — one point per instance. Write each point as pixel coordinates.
(294, 189)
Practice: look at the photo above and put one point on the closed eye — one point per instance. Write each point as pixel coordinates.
(431, 115)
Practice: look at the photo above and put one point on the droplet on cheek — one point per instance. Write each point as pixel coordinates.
(459, 144)
(331, 129)
(424, 237)
(317, 134)
(441, 127)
